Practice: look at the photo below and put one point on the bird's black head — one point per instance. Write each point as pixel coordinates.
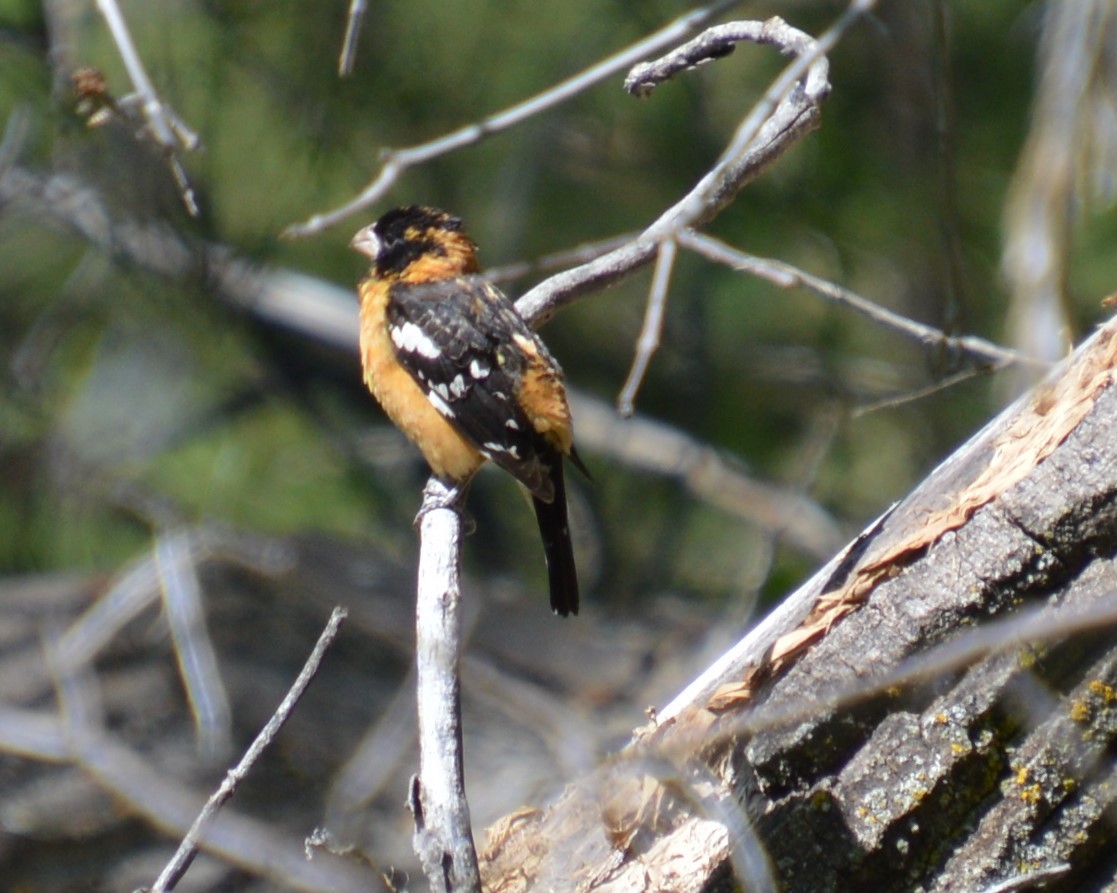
(406, 236)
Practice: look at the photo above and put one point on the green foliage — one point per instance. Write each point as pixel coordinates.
(161, 384)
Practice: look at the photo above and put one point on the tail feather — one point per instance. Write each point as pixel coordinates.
(554, 528)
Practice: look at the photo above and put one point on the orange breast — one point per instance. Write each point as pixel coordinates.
(449, 454)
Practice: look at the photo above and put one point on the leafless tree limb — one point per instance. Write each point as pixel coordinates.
(348, 56)
(977, 350)
(716, 479)
(443, 836)
(177, 867)
(197, 661)
(397, 161)
(788, 111)
(648, 342)
(165, 127)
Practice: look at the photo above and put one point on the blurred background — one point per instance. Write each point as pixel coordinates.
(192, 474)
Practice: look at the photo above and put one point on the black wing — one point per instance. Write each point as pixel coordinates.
(460, 340)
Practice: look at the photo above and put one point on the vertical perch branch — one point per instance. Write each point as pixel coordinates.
(443, 837)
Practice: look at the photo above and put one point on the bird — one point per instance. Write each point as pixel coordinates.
(458, 370)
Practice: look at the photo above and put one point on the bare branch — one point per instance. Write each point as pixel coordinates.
(648, 342)
(893, 401)
(167, 127)
(579, 254)
(397, 161)
(443, 837)
(137, 587)
(788, 111)
(357, 9)
(176, 868)
(713, 43)
(977, 350)
(161, 123)
(175, 562)
(652, 446)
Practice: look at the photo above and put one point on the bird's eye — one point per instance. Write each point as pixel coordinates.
(386, 240)
(396, 252)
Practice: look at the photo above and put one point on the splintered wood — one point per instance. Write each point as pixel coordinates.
(1053, 411)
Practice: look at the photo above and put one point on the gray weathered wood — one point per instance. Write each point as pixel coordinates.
(952, 732)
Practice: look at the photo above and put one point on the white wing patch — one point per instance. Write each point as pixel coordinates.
(441, 405)
(488, 448)
(458, 386)
(478, 370)
(411, 339)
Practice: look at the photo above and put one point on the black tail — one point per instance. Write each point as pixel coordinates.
(554, 528)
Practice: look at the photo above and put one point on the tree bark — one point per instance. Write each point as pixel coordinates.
(936, 709)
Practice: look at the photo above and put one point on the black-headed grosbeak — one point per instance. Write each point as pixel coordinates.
(458, 370)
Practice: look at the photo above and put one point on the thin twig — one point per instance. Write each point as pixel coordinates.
(166, 126)
(557, 260)
(357, 9)
(176, 558)
(153, 108)
(788, 111)
(396, 161)
(894, 401)
(648, 342)
(443, 838)
(167, 129)
(786, 276)
(188, 849)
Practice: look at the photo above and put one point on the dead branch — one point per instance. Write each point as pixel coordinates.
(867, 725)
(170, 876)
(443, 836)
(789, 110)
(397, 161)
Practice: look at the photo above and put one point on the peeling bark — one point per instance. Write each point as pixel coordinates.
(935, 710)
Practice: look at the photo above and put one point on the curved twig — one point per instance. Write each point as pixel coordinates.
(396, 161)
(788, 111)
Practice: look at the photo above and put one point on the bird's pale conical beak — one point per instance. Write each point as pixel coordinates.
(366, 242)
